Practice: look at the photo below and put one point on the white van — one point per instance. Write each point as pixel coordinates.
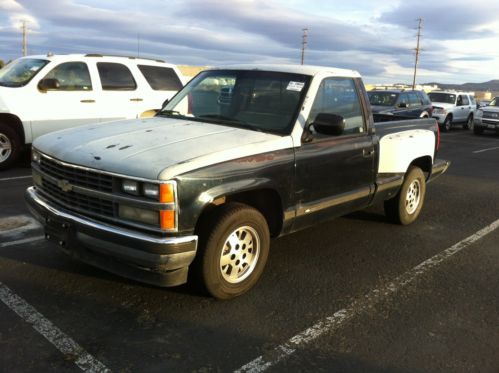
(41, 94)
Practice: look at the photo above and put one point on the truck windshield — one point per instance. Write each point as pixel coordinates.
(19, 72)
(382, 98)
(257, 100)
(446, 98)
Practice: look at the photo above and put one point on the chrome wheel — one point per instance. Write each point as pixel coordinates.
(5, 148)
(413, 197)
(240, 254)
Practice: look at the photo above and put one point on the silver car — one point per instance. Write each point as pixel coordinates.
(451, 107)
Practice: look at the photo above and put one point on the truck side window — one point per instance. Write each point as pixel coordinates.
(414, 100)
(72, 76)
(116, 77)
(161, 78)
(465, 100)
(339, 96)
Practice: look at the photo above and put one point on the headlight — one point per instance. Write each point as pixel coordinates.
(139, 215)
(439, 110)
(165, 216)
(151, 191)
(479, 113)
(130, 187)
(35, 155)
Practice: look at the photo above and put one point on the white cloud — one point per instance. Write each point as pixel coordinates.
(375, 38)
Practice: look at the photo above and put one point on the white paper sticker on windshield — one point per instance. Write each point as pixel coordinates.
(295, 86)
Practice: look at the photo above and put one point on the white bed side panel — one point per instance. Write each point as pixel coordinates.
(398, 150)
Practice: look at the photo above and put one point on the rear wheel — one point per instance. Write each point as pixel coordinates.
(406, 206)
(446, 126)
(10, 146)
(234, 246)
(469, 123)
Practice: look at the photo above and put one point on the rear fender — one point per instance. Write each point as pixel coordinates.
(399, 150)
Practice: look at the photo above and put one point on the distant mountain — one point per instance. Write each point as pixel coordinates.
(491, 85)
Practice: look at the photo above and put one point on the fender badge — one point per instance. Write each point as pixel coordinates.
(64, 185)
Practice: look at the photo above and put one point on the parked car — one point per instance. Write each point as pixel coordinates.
(451, 108)
(408, 103)
(41, 94)
(212, 177)
(487, 118)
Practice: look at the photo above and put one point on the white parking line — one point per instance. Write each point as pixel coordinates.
(19, 242)
(52, 333)
(15, 178)
(485, 150)
(17, 225)
(339, 318)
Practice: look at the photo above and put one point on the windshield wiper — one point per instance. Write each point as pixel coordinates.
(170, 113)
(229, 120)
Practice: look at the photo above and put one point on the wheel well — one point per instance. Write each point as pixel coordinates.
(15, 123)
(449, 116)
(424, 163)
(267, 201)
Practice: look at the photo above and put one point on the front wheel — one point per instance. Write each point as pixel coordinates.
(469, 123)
(234, 246)
(405, 207)
(10, 146)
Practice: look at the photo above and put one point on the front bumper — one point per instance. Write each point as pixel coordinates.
(145, 258)
(486, 124)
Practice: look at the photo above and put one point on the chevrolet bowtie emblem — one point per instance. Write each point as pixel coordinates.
(64, 185)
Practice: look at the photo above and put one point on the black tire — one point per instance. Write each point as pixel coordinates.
(248, 228)
(10, 146)
(477, 130)
(406, 206)
(447, 125)
(469, 123)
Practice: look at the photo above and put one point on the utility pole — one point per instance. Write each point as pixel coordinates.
(25, 39)
(420, 22)
(304, 44)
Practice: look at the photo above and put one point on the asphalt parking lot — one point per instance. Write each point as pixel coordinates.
(354, 294)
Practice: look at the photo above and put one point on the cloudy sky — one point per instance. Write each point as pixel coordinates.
(460, 38)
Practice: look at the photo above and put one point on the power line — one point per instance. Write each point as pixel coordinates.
(304, 44)
(420, 22)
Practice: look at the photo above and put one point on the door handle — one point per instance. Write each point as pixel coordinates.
(88, 101)
(367, 153)
(136, 99)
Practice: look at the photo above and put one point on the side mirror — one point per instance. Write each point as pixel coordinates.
(48, 83)
(402, 105)
(329, 124)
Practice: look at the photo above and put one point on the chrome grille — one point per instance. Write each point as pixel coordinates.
(77, 202)
(491, 115)
(77, 176)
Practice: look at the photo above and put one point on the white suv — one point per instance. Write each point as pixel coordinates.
(41, 94)
(451, 107)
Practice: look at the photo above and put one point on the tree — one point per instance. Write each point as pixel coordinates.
(1, 63)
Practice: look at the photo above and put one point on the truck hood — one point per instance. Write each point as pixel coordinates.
(156, 148)
(490, 109)
(443, 105)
